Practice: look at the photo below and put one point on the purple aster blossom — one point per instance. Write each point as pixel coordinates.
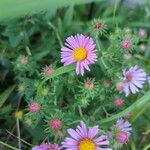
(123, 130)
(134, 79)
(47, 146)
(79, 49)
(123, 125)
(83, 139)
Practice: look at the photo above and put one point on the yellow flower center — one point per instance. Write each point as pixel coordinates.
(79, 54)
(86, 144)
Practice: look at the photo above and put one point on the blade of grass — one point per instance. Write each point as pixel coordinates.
(9, 146)
(5, 95)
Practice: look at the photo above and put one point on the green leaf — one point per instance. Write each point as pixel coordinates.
(13, 32)
(68, 15)
(136, 113)
(9, 146)
(136, 105)
(10, 9)
(5, 110)
(5, 95)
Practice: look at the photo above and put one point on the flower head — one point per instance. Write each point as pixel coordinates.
(28, 122)
(134, 79)
(142, 33)
(55, 124)
(21, 88)
(120, 86)
(79, 49)
(123, 130)
(24, 60)
(89, 85)
(48, 70)
(19, 114)
(118, 102)
(106, 83)
(123, 125)
(126, 44)
(143, 47)
(84, 139)
(47, 146)
(98, 27)
(122, 137)
(34, 107)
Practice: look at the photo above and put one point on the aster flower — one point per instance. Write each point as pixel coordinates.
(134, 79)
(123, 130)
(47, 146)
(84, 139)
(123, 125)
(79, 49)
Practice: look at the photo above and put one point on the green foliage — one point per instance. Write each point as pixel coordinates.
(33, 41)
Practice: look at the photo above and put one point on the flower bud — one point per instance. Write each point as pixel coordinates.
(118, 102)
(89, 85)
(34, 107)
(19, 114)
(48, 70)
(55, 124)
(142, 33)
(122, 137)
(126, 44)
(120, 86)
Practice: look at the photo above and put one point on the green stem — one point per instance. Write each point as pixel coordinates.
(80, 111)
(101, 53)
(23, 141)
(103, 62)
(28, 51)
(7, 145)
(97, 43)
(147, 147)
(139, 103)
(56, 32)
(18, 133)
(115, 9)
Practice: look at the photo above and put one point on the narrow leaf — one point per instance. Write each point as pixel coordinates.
(5, 94)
